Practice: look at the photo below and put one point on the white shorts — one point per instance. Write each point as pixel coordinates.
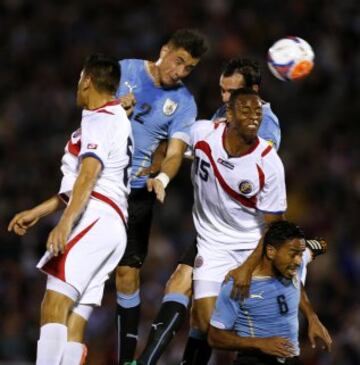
(211, 267)
(95, 246)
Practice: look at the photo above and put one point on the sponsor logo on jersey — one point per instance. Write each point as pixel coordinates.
(199, 261)
(169, 107)
(257, 296)
(246, 187)
(225, 163)
(92, 146)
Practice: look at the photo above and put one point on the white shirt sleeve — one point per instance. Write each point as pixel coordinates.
(272, 197)
(96, 137)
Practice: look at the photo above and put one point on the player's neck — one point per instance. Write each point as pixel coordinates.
(97, 100)
(265, 268)
(234, 144)
(153, 72)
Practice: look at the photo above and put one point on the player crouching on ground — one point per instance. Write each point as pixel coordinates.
(264, 327)
(90, 237)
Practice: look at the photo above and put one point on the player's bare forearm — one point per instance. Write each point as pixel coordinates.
(84, 184)
(28, 218)
(242, 274)
(229, 340)
(305, 305)
(49, 206)
(174, 156)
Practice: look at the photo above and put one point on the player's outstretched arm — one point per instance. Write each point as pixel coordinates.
(156, 160)
(242, 274)
(316, 330)
(84, 184)
(229, 340)
(28, 218)
(169, 168)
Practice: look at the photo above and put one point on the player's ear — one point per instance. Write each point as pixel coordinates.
(87, 82)
(270, 252)
(229, 114)
(255, 88)
(164, 50)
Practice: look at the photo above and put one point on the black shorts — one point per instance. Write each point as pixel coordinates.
(141, 204)
(188, 257)
(259, 358)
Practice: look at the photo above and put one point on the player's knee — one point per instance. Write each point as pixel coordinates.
(199, 319)
(55, 307)
(180, 281)
(127, 279)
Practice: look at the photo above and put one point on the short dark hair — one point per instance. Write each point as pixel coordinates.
(104, 72)
(248, 68)
(191, 40)
(280, 232)
(236, 93)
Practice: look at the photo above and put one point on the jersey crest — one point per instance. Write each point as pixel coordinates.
(246, 187)
(169, 107)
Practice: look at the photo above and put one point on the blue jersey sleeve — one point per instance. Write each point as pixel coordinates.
(270, 127)
(180, 126)
(220, 113)
(226, 309)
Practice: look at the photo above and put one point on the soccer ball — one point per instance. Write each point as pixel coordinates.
(290, 58)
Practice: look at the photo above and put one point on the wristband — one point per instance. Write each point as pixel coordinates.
(163, 178)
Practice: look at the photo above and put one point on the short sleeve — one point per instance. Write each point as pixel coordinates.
(180, 126)
(307, 258)
(95, 138)
(270, 130)
(226, 309)
(272, 197)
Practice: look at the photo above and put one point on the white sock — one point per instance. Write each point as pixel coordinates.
(73, 353)
(50, 347)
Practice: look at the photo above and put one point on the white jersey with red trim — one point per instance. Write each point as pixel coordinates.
(231, 194)
(105, 134)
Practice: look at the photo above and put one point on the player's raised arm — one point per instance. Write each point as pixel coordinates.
(242, 274)
(169, 168)
(28, 218)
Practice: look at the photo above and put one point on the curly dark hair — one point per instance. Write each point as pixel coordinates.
(191, 40)
(280, 232)
(248, 68)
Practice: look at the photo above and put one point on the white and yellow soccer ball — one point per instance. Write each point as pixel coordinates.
(291, 58)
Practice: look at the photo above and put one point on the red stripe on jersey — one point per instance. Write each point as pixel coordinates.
(103, 198)
(107, 200)
(251, 148)
(266, 151)
(104, 111)
(56, 266)
(247, 202)
(261, 177)
(109, 103)
(74, 148)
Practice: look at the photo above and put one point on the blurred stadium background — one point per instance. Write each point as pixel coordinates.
(42, 46)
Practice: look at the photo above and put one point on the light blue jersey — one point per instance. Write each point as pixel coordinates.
(271, 309)
(269, 127)
(158, 114)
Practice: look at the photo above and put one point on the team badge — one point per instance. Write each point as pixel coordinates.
(246, 187)
(199, 261)
(169, 107)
